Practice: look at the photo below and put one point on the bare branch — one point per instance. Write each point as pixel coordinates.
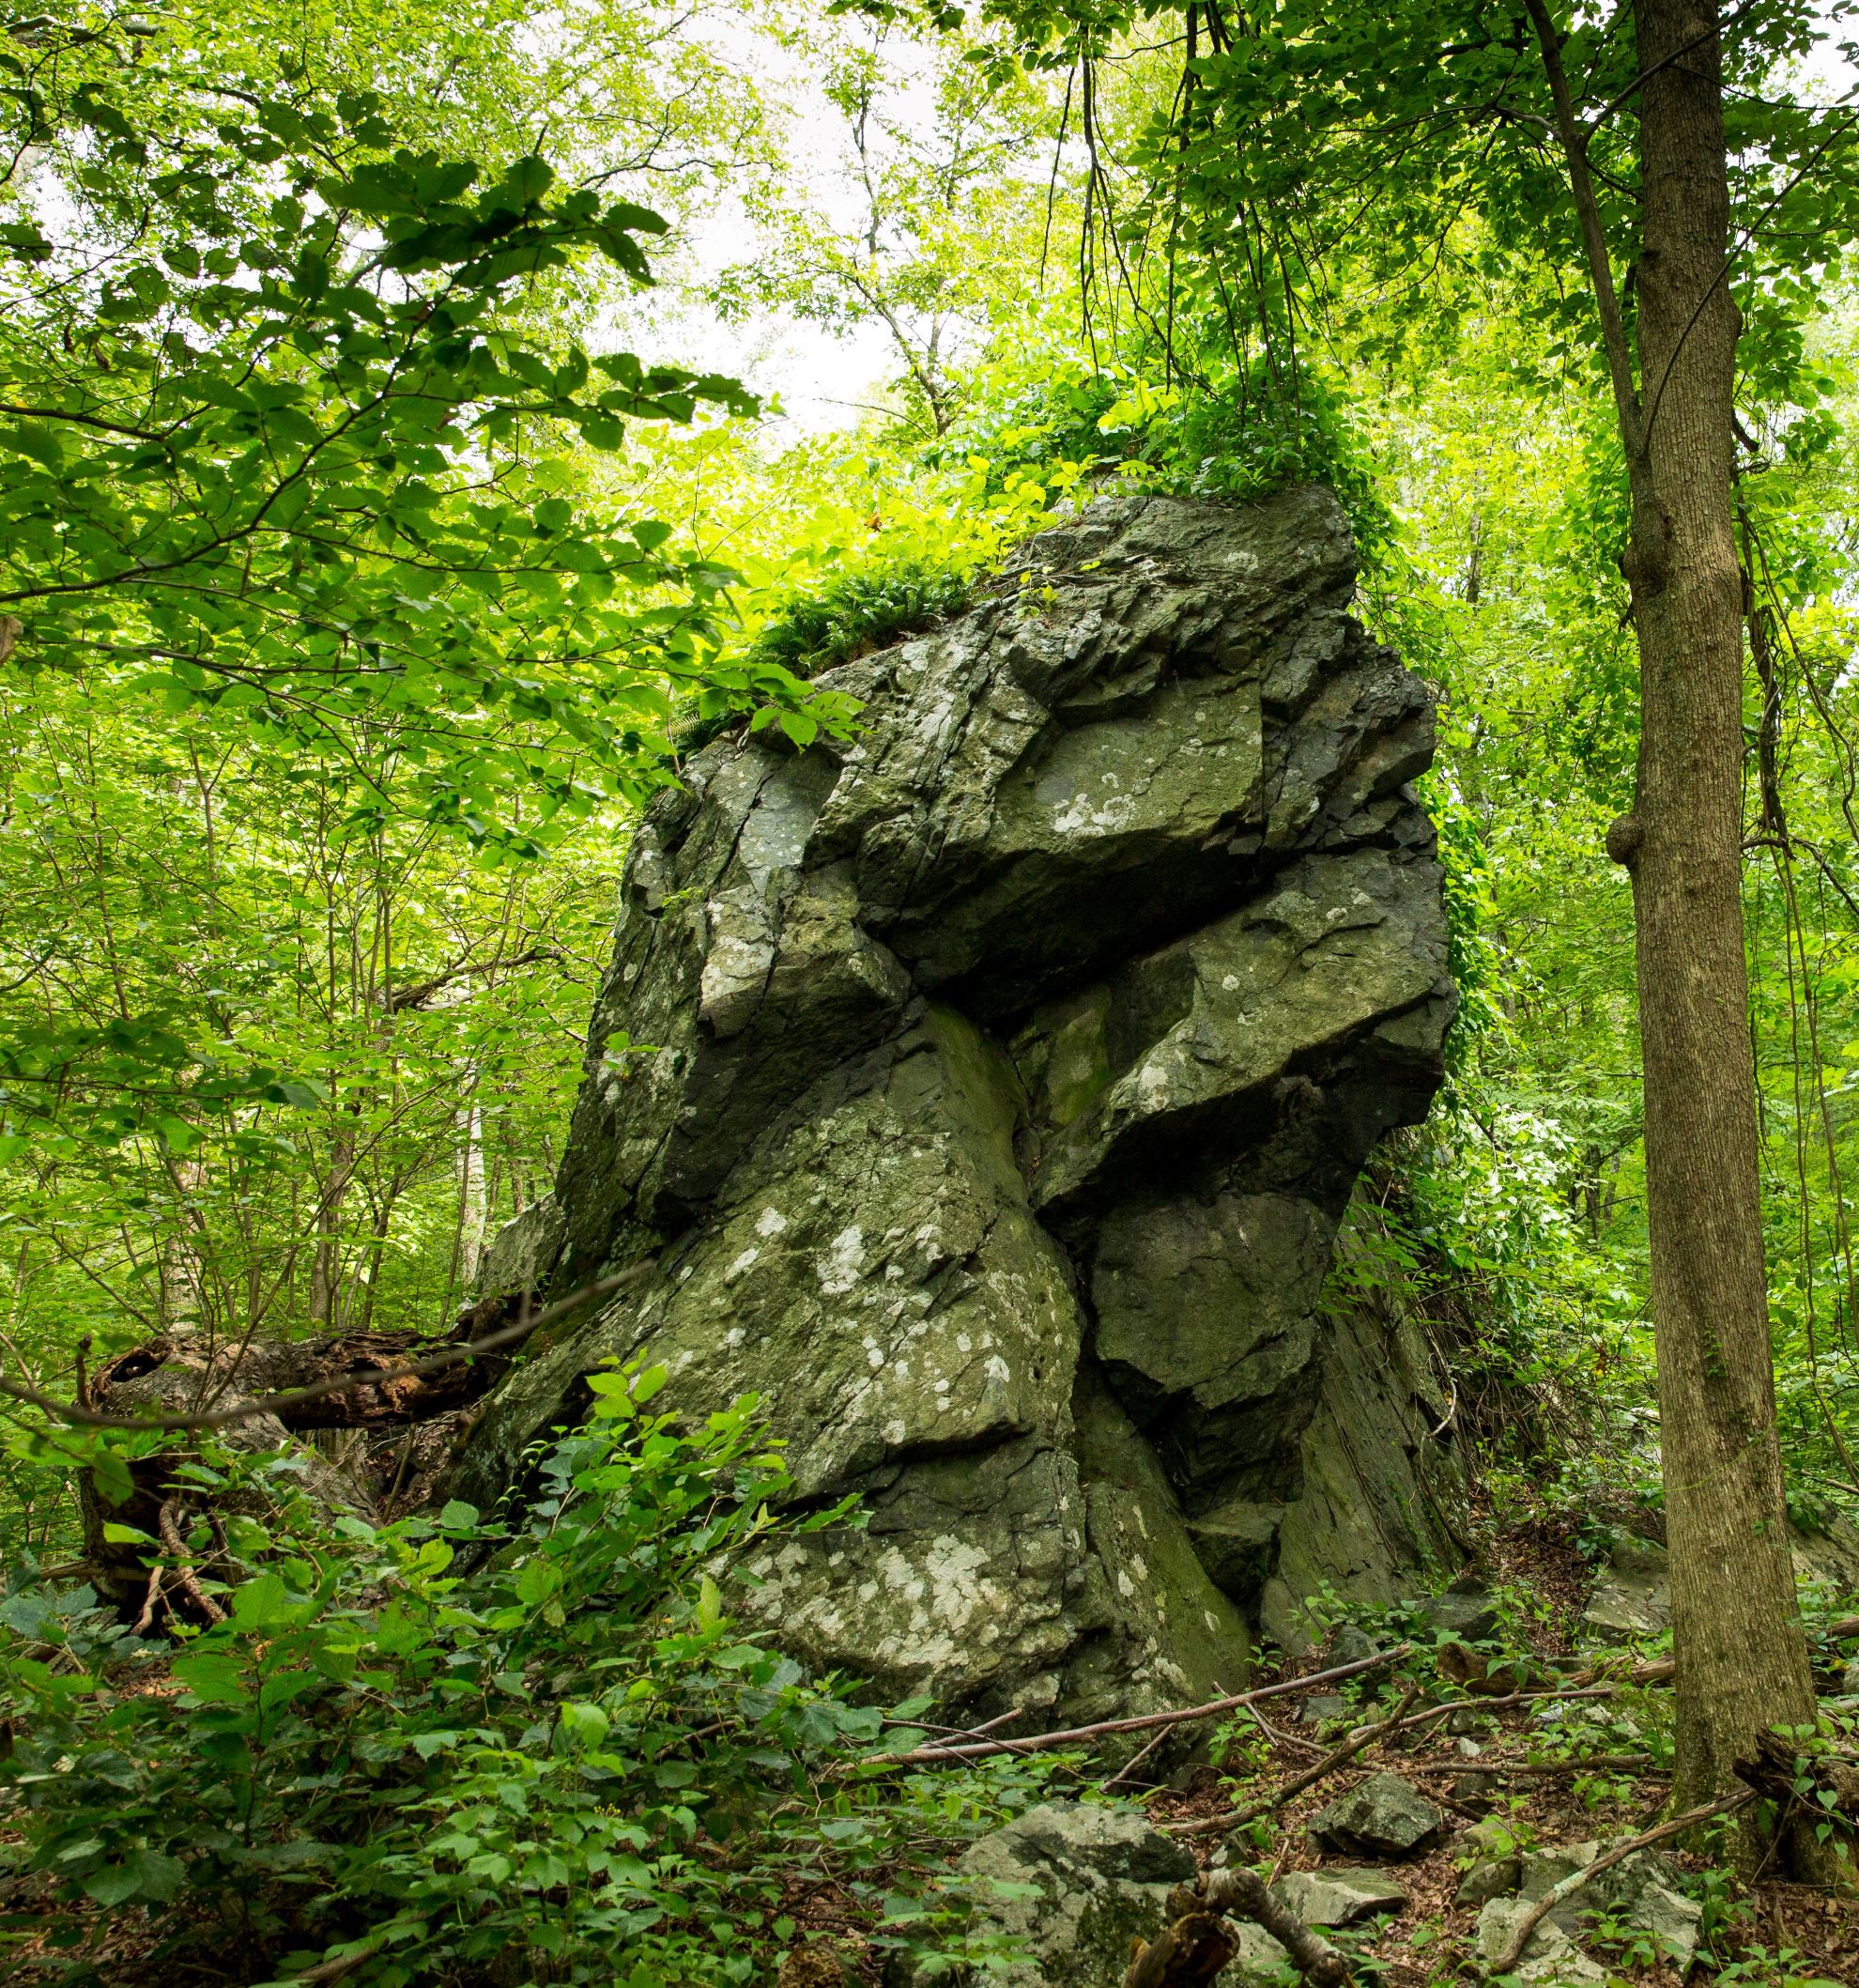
(320, 1390)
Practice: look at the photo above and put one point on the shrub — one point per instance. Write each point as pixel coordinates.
(563, 1765)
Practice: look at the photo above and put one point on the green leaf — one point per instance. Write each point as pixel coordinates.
(261, 1602)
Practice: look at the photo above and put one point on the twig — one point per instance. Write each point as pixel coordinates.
(333, 1970)
(921, 1725)
(1362, 1737)
(184, 1572)
(1560, 1894)
(1507, 1704)
(1294, 1740)
(321, 1390)
(957, 1736)
(1078, 1736)
(146, 1619)
(1599, 1764)
(1136, 1760)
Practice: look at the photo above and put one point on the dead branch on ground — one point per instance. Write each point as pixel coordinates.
(1145, 1722)
(1358, 1742)
(1561, 1894)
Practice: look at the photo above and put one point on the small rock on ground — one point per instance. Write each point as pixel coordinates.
(1352, 1646)
(1550, 1960)
(1258, 1961)
(1466, 1614)
(1339, 1896)
(1490, 1878)
(1384, 1817)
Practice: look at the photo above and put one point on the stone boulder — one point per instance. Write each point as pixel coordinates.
(1383, 1815)
(1067, 1885)
(1641, 1891)
(986, 1092)
(1631, 1599)
(1339, 1895)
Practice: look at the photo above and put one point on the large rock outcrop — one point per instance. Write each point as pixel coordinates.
(990, 1088)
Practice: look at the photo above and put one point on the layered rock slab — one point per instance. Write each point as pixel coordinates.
(990, 1086)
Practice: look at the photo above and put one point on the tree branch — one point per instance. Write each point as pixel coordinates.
(320, 1390)
(1078, 1736)
(1359, 1741)
(1561, 1894)
(1593, 231)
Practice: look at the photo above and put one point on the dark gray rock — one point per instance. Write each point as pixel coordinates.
(1009, 1068)
(1384, 1816)
(1352, 1644)
(1469, 1615)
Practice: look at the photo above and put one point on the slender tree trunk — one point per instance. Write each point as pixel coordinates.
(473, 1203)
(1742, 1659)
(326, 1266)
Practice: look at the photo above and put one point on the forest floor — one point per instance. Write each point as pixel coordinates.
(1776, 1931)
(1514, 1768)
(1765, 1934)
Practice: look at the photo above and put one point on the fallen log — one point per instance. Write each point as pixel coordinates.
(403, 1399)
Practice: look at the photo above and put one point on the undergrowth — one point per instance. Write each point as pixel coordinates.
(564, 1765)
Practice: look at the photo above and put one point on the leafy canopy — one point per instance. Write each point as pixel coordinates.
(283, 433)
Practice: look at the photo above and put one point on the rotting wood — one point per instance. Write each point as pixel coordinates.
(183, 1386)
(183, 1568)
(1194, 1946)
(353, 1382)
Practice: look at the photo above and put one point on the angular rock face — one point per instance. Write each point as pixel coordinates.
(992, 1086)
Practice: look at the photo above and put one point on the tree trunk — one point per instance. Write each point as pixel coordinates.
(326, 1266)
(1742, 1661)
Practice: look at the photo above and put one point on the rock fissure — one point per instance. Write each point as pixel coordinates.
(1015, 1063)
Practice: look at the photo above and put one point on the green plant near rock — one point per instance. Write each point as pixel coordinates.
(532, 1750)
(856, 612)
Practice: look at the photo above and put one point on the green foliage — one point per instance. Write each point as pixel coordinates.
(1237, 432)
(452, 1743)
(857, 612)
(281, 442)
